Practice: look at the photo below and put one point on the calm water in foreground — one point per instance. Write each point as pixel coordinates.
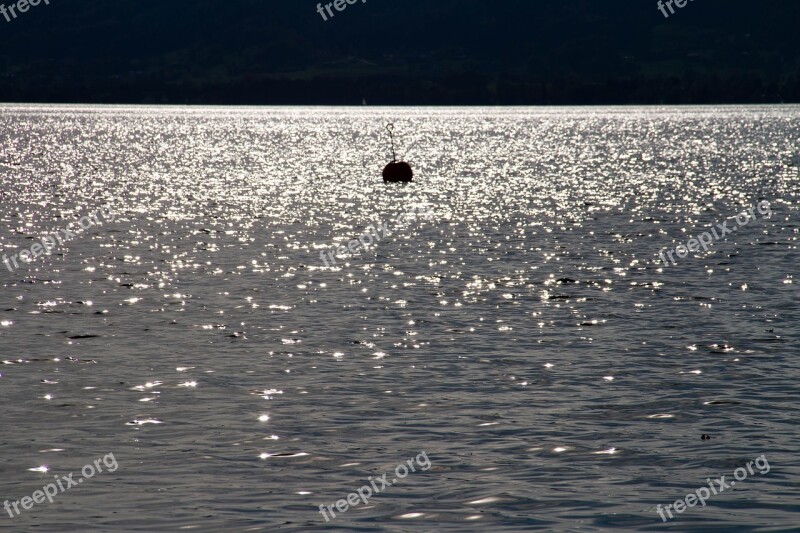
(522, 332)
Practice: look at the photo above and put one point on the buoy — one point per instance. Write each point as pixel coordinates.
(396, 171)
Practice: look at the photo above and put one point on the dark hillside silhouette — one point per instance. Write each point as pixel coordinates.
(401, 52)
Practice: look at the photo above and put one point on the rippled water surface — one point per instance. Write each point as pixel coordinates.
(520, 328)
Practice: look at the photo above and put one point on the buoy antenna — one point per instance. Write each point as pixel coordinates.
(390, 127)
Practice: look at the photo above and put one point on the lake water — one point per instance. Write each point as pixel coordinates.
(519, 329)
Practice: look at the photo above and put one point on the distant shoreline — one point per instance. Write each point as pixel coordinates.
(396, 106)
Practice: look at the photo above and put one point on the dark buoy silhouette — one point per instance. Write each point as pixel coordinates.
(396, 171)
